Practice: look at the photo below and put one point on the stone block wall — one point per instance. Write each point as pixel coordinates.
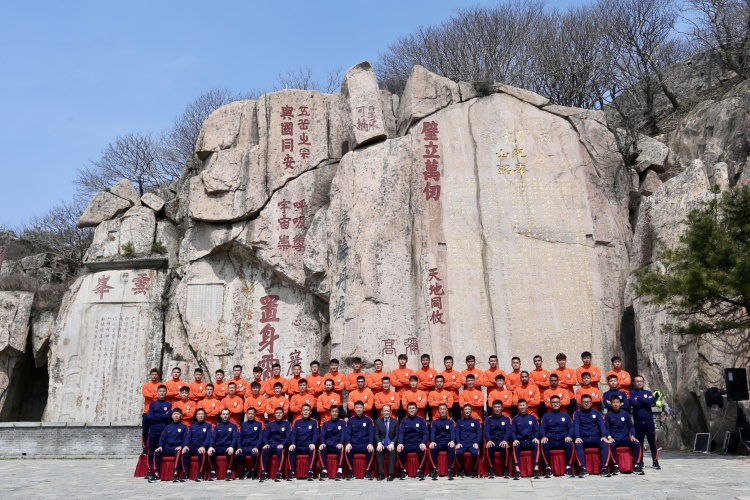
(51, 439)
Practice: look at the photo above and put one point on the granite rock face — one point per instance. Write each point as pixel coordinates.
(15, 312)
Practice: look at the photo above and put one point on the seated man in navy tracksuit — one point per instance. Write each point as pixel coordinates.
(469, 434)
(525, 437)
(613, 382)
(276, 439)
(304, 440)
(223, 442)
(557, 431)
(359, 436)
(443, 437)
(412, 437)
(332, 441)
(622, 430)
(498, 433)
(159, 415)
(249, 444)
(200, 433)
(641, 400)
(173, 438)
(590, 432)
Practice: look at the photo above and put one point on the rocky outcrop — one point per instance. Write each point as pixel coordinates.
(15, 312)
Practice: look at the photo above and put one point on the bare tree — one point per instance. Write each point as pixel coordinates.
(724, 26)
(303, 79)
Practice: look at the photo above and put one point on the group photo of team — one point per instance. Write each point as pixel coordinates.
(406, 423)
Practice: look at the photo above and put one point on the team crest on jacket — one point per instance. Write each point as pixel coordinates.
(204, 429)
(563, 419)
(622, 418)
(530, 423)
(593, 416)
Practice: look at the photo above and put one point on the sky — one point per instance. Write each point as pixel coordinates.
(78, 74)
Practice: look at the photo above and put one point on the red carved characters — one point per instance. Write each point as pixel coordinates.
(102, 286)
(269, 308)
(298, 240)
(431, 160)
(436, 297)
(140, 283)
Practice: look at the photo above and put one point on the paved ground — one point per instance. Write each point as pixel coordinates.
(683, 475)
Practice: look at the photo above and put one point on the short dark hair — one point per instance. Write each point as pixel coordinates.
(177, 368)
(424, 356)
(585, 396)
(358, 403)
(209, 385)
(464, 406)
(521, 401)
(255, 384)
(377, 361)
(237, 366)
(554, 397)
(403, 356)
(493, 356)
(361, 377)
(613, 376)
(499, 377)
(334, 361)
(524, 371)
(412, 403)
(446, 358)
(178, 410)
(515, 358)
(316, 362)
(231, 383)
(561, 355)
(537, 356)
(276, 365)
(613, 397)
(302, 381)
(440, 377)
(584, 374)
(278, 384)
(219, 371)
(413, 377)
(198, 370)
(470, 376)
(161, 386)
(184, 388)
(356, 359)
(257, 369)
(497, 402)
(615, 358)
(385, 378)
(585, 354)
(471, 357)
(154, 370)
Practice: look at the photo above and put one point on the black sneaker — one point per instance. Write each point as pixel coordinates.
(434, 474)
(569, 471)
(381, 477)
(199, 477)
(605, 473)
(176, 478)
(154, 478)
(339, 476)
(212, 476)
(506, 473)
(450, 474)
(350, 476)
(461, 474)
(583, 473)
(263, 477)
(655, 465)
(517, 475)
(548, 472)
(474, 475)
(616, 470)
(244, 474)
(229, 475)
(144, 451)
(292, 476)
(639, 470)
(323, 475)
(310, 475)
(420, 475)
(368, 476)
(491, 474)
(536, 474)
(185, 478)
(279, 477)
(391, 477)
(403, 475)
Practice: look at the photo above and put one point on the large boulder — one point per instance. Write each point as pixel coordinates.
(103, 207)
(15, 312)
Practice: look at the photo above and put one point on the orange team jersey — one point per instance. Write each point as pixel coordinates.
(293, 385)
(173, 389)
(419, 398)
(560, 393)
(149, 394)
(596, 396)
(188, 410)
(315, 384)
(540, 378)
(531, 394)
(339, 382)
(513, 379)
(426, 379)
(489, 377)
(391, 398)
(365, 395)
(594, 371)
(375, 381)
(326, 401)
(507, 397)
(212, 406)
(276, 402)
(453, 380)
(259, 403)
(400, 379)
(436, 398)
(298, 400)
(240, 386)
(197, 391)
(478, 377)
(567, 378)
(623, 380)
(236, 406)
(351, 379)
(221, 390)
(268, 387)
(475, 398)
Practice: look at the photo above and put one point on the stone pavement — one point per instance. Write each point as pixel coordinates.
(684, 475)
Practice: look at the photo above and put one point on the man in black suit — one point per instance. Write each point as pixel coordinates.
(386, 439)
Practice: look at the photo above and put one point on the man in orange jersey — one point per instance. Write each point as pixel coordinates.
(257, 377)
(186, 406)
(197, 386)
(360, 393)
(556, 390)
(374, 379)
(303, 397)
(502, 394)
(338, 378)
(453, 381)
(471, 369)
(414, 395)
(566, 378)
(473, 397)
(426, 375)
(234, 404)
(591, 390)
(623, 377)
(173, 385)
(278, 400)
(274, 379)
(256, 400)
(351, 378)
(241, 385)
(513, 378)
(315, 381)
(220, 385)
(211, 405)
(328, 399)
(387, 396)
(530, 393)
(439, 397)
(400, 376)
(494, 371)
(594, 371)
(539, 376)
(149, 396)
(293, 383)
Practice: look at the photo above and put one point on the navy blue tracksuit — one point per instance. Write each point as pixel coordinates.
(277, 436)
(332, 435)
(159, 415)
(411, 433)
(223, 437)
(304, 434)
(199, 437)
(250, 437)
(174, 435)
(641, 401)
(590, 428)
(621, 429)
(556, 426)
(359, 432)
(497, 430)
(443, 431)
(623, 397)
(469, 433)
(525, 430)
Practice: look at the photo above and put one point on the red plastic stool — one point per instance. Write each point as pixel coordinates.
(527, 463)
(273, 467)
(466, 461)
(249, 464)
(557, 457)
(625, 459)
(301, 467)
(332, 465)
(442, 463)
(195, 468)
(167, 469)
(593, 460)
(360, 464)
(222, 464)
(141, 468)
(412, 464)
(499, 464)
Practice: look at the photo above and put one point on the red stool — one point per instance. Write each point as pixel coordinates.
(273, 467)
(466, 461)
(301, 467)
(195, 468)
(527, 463)
(625, 459)
(359, 465)
(442, 463)
(167, 469)
(557, 457)
(499, 464)
(222, 464)
(593, 460)
(412, 464)
(141, 468)
(333, 466)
